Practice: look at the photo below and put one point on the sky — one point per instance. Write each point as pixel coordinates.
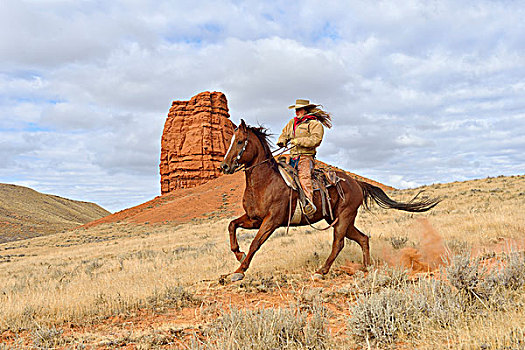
(421, 92)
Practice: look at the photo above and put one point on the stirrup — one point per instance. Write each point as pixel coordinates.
(309, 209)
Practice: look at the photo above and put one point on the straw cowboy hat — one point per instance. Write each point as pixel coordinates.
(302, 104)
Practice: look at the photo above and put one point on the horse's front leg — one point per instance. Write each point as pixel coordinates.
(268, 225)
(244, 222)
(340, 229)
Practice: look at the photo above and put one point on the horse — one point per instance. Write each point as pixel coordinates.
(268, 206)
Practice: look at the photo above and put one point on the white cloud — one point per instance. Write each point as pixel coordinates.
(421, 92)
(398, 182)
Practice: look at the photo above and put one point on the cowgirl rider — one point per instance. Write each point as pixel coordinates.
(305, 131)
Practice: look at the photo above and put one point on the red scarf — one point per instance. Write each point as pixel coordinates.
(297, 121)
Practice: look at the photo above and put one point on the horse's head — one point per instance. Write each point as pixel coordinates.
(237, 154)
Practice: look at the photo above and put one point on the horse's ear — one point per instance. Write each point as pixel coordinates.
(242, 125)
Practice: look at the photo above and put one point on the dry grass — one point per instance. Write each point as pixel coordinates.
(83, 276)
(474, 214)
(113, 273)
(288, 328)
(414, 311)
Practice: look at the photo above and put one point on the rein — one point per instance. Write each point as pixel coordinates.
(284, 149)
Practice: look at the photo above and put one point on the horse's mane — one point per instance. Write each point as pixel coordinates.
(264, 135)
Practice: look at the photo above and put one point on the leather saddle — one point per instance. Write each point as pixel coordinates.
(322, 180)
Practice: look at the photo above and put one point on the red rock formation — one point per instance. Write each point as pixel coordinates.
(196, 136)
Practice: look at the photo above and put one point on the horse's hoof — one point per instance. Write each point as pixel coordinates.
(237, 276)
(317, 276)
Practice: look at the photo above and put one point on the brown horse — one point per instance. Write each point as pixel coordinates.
(266, 200)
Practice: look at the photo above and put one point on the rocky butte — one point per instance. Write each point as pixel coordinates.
(196, 135)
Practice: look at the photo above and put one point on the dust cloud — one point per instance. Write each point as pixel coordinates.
(427, 256)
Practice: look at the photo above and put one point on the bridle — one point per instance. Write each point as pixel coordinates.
(236, 160)
(241, 152)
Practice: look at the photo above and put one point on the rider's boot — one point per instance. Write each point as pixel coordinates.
(310, 208)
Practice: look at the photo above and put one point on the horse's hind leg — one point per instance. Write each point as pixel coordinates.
(354, 234)
(244, 222)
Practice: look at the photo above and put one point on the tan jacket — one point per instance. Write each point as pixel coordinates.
(308, 135)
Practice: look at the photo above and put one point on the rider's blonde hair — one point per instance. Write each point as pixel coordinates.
(324, 117)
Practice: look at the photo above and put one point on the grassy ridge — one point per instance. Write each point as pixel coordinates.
(27, 213)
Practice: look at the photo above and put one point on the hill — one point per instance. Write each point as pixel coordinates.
(26, 213)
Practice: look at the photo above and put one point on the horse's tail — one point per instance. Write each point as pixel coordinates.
(371, 192)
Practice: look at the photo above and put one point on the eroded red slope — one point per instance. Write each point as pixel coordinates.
(218, 198)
